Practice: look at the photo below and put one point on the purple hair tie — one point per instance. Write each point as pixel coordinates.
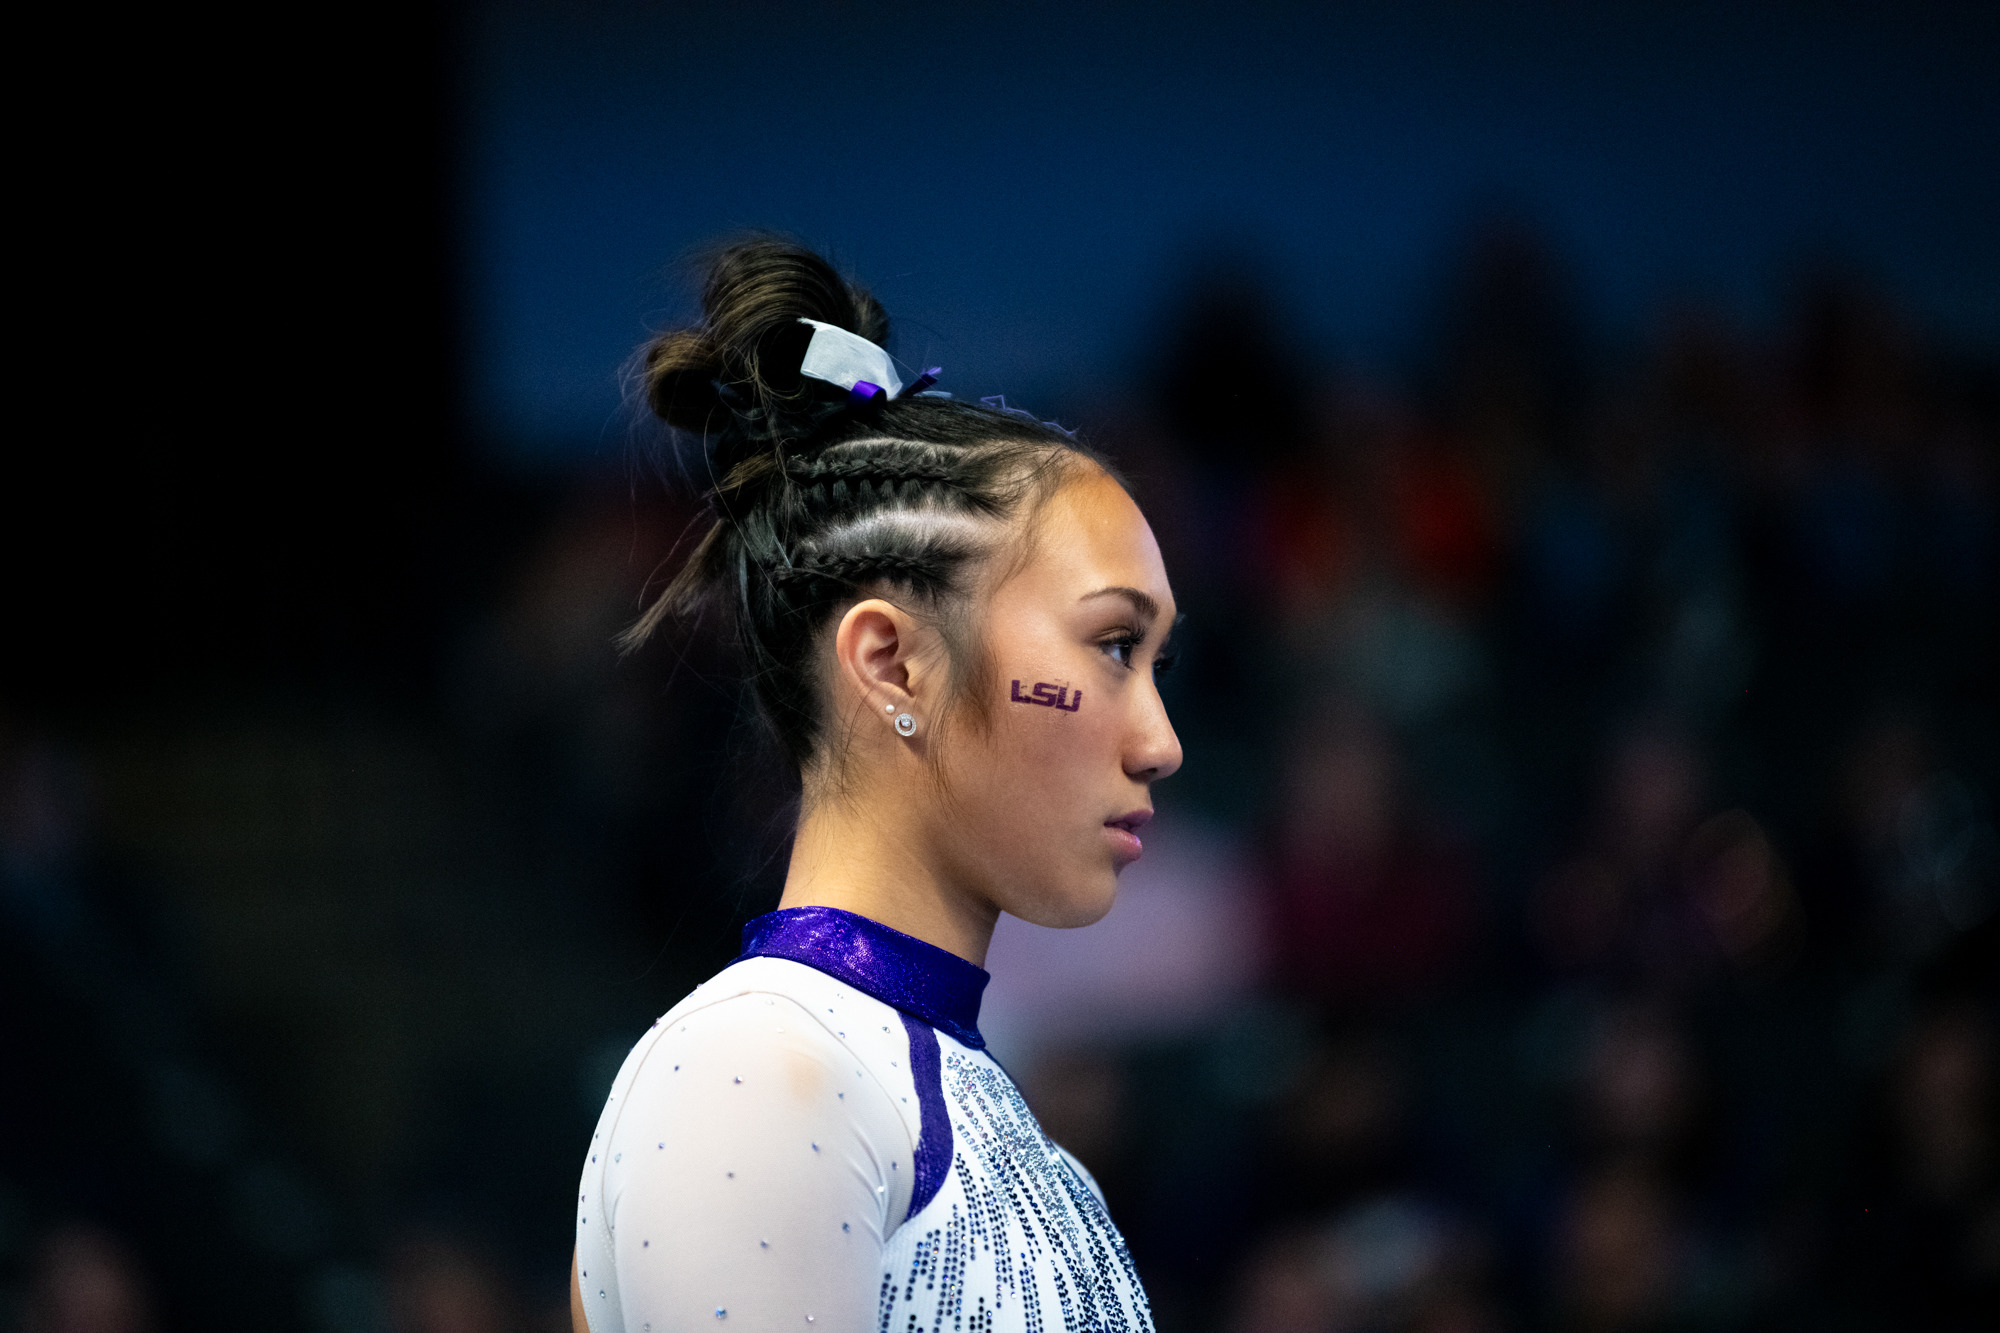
(922, 382)
(865, 394)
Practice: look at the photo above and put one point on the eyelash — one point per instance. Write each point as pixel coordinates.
(1130, 640)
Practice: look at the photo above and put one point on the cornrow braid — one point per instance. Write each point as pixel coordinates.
(869, 467)
(859, 569)
(811, 501)
(864, 475)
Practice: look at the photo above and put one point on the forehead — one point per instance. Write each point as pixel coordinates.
(1091, 535)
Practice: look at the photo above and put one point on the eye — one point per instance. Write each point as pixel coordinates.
(1165, 661)
(1121, 649)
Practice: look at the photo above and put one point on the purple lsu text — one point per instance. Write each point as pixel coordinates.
(1048, 696)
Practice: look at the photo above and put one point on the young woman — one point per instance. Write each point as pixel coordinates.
(951, 616)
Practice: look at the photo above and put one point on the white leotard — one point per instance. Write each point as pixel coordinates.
(786, 1150)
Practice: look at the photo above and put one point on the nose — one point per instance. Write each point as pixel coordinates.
(1154, 751)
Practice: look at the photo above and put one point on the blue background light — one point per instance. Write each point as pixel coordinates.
(1024, 188)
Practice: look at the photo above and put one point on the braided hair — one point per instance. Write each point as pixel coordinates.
(812, 500)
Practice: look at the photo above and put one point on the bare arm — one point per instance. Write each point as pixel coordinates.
(577, 1322)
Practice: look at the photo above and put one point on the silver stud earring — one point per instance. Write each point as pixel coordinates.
(905, 725)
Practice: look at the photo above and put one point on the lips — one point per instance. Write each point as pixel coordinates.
(1124, 831)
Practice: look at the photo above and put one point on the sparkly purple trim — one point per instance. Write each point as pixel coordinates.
(933, 1158)
(900, 970)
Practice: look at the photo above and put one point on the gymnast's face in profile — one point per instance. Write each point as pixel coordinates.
(1048, 800)
(1026, 784)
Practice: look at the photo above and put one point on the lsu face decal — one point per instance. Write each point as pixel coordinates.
(1049, 696)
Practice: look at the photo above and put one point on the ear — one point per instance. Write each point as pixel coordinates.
(877, 657)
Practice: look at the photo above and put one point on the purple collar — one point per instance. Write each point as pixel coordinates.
(900, 970)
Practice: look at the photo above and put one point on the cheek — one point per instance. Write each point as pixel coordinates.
(1043, 755)
(1033, 787)
(1039, 785)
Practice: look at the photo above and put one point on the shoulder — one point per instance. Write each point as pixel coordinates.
(770, 1014)
(752, 1120)
(846, 1013)
(860, 1024)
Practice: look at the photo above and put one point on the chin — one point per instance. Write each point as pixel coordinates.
(1077, 906)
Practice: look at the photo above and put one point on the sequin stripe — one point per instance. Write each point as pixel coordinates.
(989, 1223)
(1109, 1257)
(1001, 1154)
(1001, 1188)
(1013, 1223)
(886, 1303)
(923, 1264)
(951, 1274)
(1017, 1153)
(933, 1153)
(1091, 1234)
(1078, 1229)
(938, 1276)
(1087, 1203)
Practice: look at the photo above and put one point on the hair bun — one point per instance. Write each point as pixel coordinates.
(734, 378)
(809, 502)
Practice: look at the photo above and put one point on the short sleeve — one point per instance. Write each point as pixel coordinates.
(757, 1173)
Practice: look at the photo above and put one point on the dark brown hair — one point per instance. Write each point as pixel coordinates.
(812, 499)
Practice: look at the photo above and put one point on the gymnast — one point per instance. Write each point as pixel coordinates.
(951, 616)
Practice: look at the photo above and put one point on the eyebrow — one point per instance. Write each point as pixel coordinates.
(1143, 603)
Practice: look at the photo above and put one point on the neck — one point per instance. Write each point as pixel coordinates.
(846, 855)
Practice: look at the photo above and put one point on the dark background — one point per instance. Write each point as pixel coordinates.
(1573, 434)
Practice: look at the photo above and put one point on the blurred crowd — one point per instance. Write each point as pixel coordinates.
(1577, 911)
(1608, 742)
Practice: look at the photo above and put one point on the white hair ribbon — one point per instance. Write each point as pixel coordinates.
(849, 360)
